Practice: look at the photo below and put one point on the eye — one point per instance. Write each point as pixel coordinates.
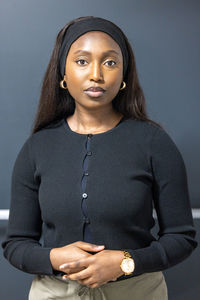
(81, 61)
(111, 61)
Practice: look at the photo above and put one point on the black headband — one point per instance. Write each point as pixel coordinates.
(94, 24)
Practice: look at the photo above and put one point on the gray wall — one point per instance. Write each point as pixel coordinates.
(165, 39)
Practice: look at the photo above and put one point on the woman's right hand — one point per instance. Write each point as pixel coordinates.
(72, 252)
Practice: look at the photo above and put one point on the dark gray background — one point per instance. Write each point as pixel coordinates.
(165, 36)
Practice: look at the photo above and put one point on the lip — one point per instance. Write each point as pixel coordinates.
(94, 94)
(95, 89)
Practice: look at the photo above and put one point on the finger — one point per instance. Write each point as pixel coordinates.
(94, 285)
(88, 281)
(90, 247)
(69, 267)
(76, 264)
(85, 274)
(76, 270)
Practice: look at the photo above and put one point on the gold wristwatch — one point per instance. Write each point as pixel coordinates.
(127, 265)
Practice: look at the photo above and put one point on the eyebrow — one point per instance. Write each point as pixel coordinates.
(106, 52)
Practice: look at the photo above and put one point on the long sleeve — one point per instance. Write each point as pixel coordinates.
(129, 168)
(172, 204)
(21, 246)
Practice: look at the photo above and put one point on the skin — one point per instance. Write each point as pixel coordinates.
(94, 115)
(90, 270)
(91, 115)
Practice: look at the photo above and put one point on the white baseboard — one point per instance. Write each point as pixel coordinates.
(4, 213)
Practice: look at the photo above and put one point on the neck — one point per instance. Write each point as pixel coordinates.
(95, 122)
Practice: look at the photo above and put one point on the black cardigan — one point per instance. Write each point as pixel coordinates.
(132, 168)
(87, 235)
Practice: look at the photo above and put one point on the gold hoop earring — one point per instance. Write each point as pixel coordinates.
(124, 85)
(63, 84)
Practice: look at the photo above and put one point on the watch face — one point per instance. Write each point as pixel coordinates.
(128, 265)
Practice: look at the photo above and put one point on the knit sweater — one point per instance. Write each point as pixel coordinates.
(132, 168)
(87, 235)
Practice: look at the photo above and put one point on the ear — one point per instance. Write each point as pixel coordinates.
(65, 77)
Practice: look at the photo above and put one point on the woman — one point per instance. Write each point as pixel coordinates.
(88, 176)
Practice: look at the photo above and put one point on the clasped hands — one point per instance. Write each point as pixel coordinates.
(96, 269)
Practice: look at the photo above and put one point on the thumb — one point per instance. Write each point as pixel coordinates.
(91, 247)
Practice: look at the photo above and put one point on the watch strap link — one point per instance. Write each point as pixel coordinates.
(127, 254)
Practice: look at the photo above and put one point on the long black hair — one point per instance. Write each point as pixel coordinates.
(56, 103)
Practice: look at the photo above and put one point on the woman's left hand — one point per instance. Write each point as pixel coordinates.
(100, 268)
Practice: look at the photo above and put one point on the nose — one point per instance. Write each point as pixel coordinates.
(96, 72)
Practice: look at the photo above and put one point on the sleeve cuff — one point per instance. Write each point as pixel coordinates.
(138, 266)
(36, 260)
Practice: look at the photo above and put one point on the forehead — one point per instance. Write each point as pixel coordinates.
(92, 39)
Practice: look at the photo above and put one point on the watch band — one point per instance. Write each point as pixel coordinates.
(127, 254)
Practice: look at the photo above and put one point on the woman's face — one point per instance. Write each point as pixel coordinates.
(89, 64)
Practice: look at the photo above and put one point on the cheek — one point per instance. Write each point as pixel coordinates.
(114, 83)
(75, 81)
(74, 75)
(113, 78)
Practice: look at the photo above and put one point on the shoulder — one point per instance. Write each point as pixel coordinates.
(143, 130)
(42, 139)
(154, 138)
(151, 129)
(164, 148)
(46, 133)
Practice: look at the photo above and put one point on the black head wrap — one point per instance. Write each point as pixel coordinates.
(77, 29)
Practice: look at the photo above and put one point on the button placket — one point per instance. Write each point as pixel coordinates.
(86, 220)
